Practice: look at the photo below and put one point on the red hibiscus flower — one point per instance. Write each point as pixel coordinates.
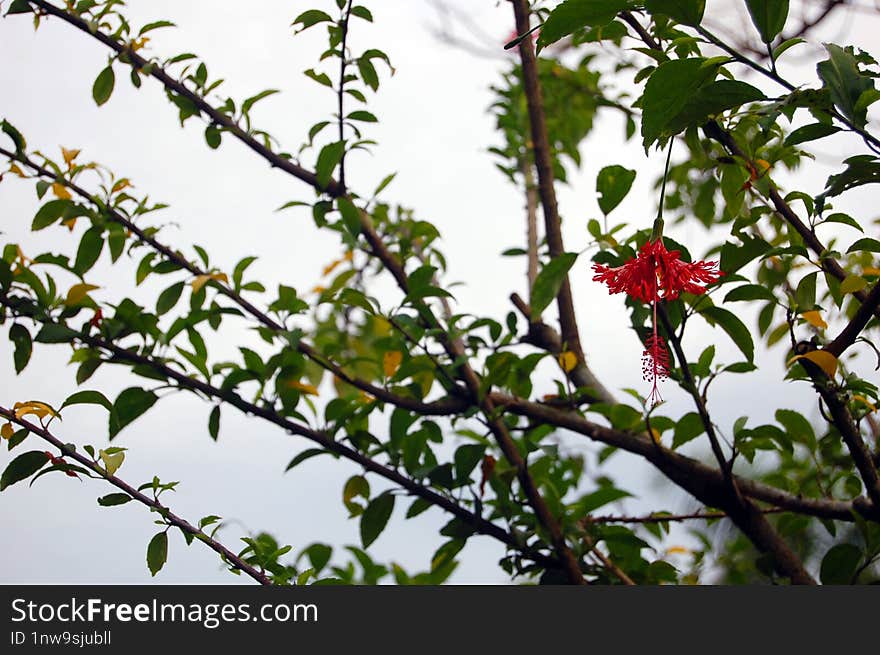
(653, 274)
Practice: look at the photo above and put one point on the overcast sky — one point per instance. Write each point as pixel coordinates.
(434, 131)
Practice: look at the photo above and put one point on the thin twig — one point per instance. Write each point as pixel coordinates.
(172, 519)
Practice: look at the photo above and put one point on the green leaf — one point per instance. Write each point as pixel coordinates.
(709, 101)
(599, 498)
(311, 17)
(89, 250)
(689, 427)
(549, 281)
(112, 500)
(49, 213)
(667, 91)
(250, 102)
(22, 467)
(612, 185)
(17, 139)
(168, 298)
(351, 216)
(55, 333)
(213, 136)
(157, 552)
(573, 15)
(860, 170)
(865, 244)
(88, 398)
(466, 459)
(797, 427)
(214, 422)
(810, 132)
(768, 16)
(363, 116)
(734, 327)
(303, 456)
(846, 84)
(840, 564)
(149, 27)
(375, 518)
(129, 405)
(749, 292)
(19, 335)
(328, 160)
(368, 73)
(103, 86)
(19, 7)
(355, 486)
(419, 505)
(686, 12)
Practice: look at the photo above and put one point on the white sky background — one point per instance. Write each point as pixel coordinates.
(434, 130)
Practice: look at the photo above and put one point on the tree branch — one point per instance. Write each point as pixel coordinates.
(714, 131)
(850, 333)
(441, 407)
(67, 451)
(324, 440)
(544, 165)
(842, 419)
(380, 250)
(701, 481)
(332, 188)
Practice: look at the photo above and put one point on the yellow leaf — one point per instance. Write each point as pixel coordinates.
(120, 185)
(137, 44)
(567, 361)
(202, 280)
(112, 462)
(35, 407)
(60, 191)
(13, 168)
(814, 318)
(865, 401)
(78, 293)
(69, 156)
(7, 430)
(655, 435)
(391, 362)
(331, 267)
(821, 358)
(853, 283)
(870, 270)
(303, 387)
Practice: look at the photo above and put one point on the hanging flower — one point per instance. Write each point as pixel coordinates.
(656, 273)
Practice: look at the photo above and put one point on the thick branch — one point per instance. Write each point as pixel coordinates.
(544, 166)
(698, 479)
(710, 487)
(547, 338)
(66, 451)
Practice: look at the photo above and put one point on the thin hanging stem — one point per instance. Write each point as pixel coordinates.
(658, 222)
